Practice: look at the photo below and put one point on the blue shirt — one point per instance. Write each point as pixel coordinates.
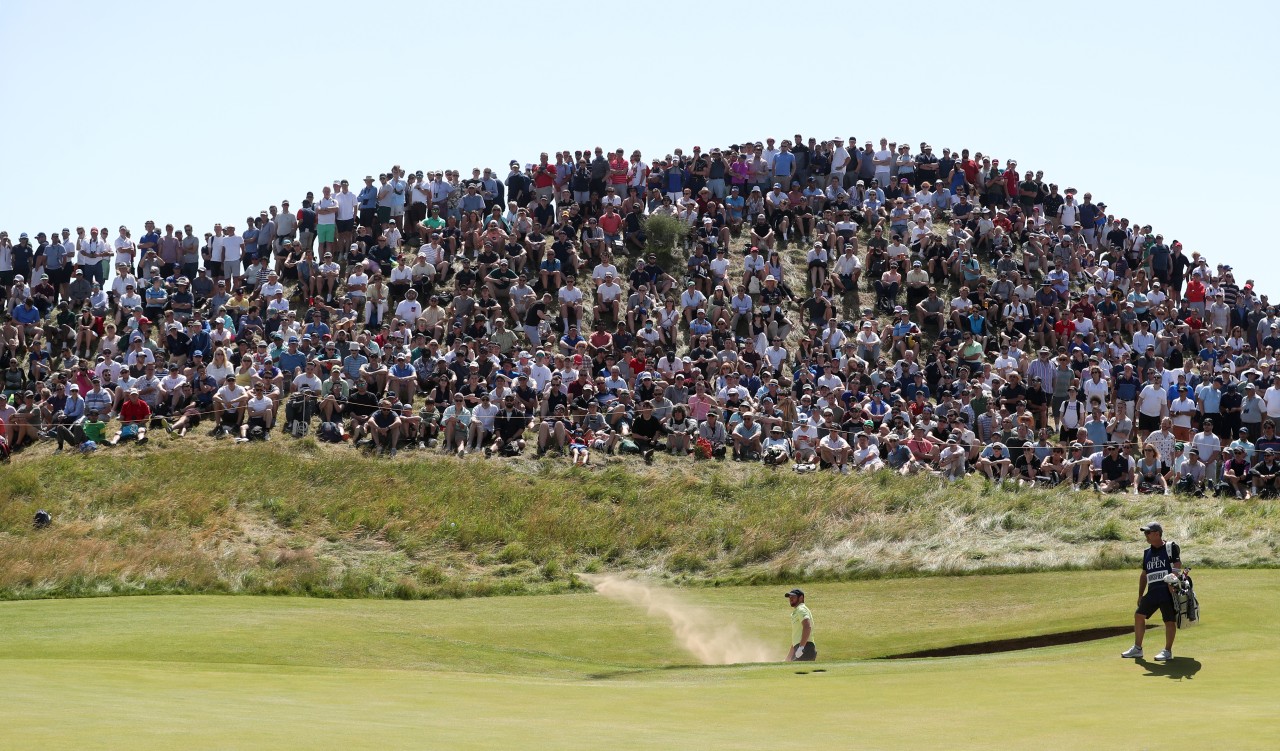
(784, 164)
(674, 180)
(291, 360)
(1211, 397)
(368, 197)
(54, 256)
(26, 314)
(735, 205)
(351, 365)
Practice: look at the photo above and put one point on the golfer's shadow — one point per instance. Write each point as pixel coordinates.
(1175, 669)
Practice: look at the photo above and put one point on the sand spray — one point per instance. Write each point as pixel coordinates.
(701, 633)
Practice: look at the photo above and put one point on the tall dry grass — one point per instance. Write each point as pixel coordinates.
(270, 519)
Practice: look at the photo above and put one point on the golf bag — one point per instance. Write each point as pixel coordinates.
(1185, 603)
(298, 412)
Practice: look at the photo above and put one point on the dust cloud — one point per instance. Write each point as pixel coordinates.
(698, 631)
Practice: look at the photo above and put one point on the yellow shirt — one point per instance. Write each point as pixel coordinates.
(799, 615)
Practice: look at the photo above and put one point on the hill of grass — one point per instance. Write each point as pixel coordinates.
(305, 518)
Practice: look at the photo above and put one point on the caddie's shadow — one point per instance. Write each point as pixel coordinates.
(1175, 669)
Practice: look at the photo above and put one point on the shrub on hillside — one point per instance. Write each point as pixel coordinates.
(663, 234)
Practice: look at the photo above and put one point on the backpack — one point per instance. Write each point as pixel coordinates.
(330, 432)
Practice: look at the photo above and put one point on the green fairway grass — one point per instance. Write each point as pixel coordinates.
(580, 671)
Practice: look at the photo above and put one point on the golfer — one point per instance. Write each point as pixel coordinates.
(1158, 561)
(802, 648)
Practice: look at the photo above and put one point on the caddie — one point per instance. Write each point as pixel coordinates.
(1158, 561)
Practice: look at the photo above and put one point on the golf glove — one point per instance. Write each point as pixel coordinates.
(799, 652)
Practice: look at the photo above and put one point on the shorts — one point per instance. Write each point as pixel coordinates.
(1148, 422)
(384, 214)
(368, 217)
(346, 225)
(809, 654)
(326, 233)
(60, 276)
(1153, 601)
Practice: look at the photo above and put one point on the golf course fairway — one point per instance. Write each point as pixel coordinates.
(581, 671)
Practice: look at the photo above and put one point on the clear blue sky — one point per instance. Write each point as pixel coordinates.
(205, 112)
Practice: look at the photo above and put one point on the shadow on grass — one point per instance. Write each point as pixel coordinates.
(1175, 669)
(1018, 644)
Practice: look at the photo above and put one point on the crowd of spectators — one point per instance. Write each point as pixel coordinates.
(830, 306)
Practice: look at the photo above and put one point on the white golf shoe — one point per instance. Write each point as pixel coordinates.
(1132, 652)
(1164, 655)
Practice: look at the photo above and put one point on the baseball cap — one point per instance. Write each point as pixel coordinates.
(1152, 527)
(795, 593)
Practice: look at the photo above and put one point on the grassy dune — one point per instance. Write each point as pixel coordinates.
(286, 518)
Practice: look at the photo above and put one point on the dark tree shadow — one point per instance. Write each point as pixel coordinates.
(1175, 669)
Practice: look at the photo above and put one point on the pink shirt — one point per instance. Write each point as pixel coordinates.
(699, 406)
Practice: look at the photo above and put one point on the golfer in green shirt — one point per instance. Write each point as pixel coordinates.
(802, 648)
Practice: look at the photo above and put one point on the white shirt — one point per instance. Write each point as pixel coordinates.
(839, 159)
(326, 203)
(692, 298)
(170, 383)
(570, 295)
(120, 282)
(1152, 399)
(1099, 388)
(228, 249)
(347, 203)
(599, 272)
(125, 250)
(883, 155)
(805, 437)
(1271, 398)
(485, 414)
(608, 292)
(540, 375)
(302, 379)
(259, 406)
(405, 274)
(409, 310)
(360, 280)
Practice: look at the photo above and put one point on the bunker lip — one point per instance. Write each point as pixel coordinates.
(1018, 644)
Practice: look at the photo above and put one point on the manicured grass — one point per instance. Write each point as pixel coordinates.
(579, 671)
(303, 518)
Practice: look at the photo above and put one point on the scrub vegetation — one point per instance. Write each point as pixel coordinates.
(302, 518)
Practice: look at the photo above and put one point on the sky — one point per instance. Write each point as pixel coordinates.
(209, 112)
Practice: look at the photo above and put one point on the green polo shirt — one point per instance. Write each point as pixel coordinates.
(94, 431)
(798, 616)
